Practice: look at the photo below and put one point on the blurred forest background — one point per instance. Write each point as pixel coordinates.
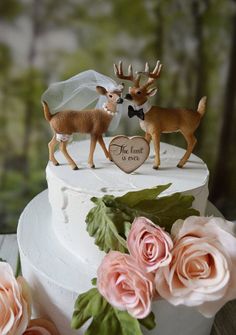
(51, 40)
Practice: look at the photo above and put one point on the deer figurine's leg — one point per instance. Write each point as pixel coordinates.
(51, 149)
(103, 145)
(63, 149)
(148, 137)
(93, 143)
(156, 142)
(191, 141)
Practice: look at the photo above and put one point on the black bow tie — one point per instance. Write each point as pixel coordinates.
(132, 112)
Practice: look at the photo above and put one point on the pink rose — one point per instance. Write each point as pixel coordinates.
(149, 244)
(41, 327)
(124, 285)
(14, 302)
(202, 272)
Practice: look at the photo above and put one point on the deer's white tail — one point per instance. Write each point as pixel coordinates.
(202, 106)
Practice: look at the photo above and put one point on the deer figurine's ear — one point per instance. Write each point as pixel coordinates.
(101, 90)
(152, 92)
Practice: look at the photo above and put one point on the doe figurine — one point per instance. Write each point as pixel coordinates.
(92, 121)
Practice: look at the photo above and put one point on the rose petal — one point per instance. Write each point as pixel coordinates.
(14, 302)
(203, 268)
(124, 285)
(149, 244)
(41, 327)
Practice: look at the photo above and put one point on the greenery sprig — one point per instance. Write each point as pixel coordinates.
(106, 319)
(109, 222)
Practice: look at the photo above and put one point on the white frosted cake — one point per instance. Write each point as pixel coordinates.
(58, 256)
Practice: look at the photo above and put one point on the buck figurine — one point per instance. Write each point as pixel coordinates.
(155, 120)
(93, 121)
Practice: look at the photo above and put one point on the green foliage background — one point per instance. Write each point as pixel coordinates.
(50, 40)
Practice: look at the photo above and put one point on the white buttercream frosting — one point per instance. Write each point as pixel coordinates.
(70, 191)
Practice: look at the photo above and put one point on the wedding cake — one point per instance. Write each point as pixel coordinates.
(111, 249)
(59, 258)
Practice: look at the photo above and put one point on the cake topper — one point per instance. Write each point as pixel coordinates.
(129, 153)
(94, 121)
(155, 120)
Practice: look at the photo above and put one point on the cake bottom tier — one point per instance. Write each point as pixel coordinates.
(56, 277)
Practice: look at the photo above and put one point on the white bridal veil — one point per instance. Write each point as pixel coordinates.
(79, 93)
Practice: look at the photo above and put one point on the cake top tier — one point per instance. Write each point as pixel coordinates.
(107, 178)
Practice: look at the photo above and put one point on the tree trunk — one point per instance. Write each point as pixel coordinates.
(29, 105)
(221, 176)
(159, 42)
(201, 78)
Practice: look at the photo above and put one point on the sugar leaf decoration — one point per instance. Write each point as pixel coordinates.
(109, 222)
(106, 319)
(106, 223)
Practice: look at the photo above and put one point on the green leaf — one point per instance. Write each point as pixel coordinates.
(148, 322)
(89, 304)
(165, 211)
(114, 322)
(106, 320)
(133, 198)
(106, 225)
(109, 222)
(94, 281)
(2, 260)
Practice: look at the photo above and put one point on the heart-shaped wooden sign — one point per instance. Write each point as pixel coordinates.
(129, 153)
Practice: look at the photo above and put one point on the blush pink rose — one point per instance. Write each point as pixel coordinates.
(149, 244)
(41, 327)
(202, 272)
(15, 304)
(124, 285)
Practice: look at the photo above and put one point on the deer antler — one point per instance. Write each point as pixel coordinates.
(151, 75)
(119, 73)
